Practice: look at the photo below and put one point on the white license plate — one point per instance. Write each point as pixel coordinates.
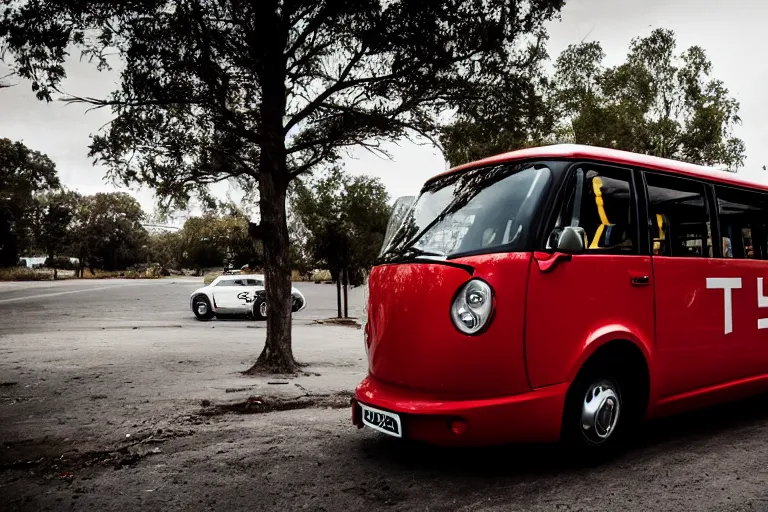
(383, 421)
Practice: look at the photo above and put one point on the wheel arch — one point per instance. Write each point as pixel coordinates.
(611, 336)
(623, 347)
(206, 295)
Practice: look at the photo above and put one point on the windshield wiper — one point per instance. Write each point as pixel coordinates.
(409, 253)
(415, 251)
(414, 254)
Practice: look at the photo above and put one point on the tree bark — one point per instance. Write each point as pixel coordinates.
(346, 300)
(53, 264)
(338, 295)
(277, 355)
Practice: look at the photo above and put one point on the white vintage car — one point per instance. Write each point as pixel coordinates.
(236, 295)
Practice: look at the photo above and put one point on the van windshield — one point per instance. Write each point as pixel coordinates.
(475, 210)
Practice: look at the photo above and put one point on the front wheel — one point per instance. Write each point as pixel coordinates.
(201, 306)
(598, 413)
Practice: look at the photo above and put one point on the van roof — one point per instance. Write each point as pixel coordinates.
(614, 156)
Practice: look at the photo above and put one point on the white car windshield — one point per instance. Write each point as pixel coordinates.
(240, 282)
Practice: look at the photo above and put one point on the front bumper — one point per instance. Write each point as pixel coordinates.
(534, 416)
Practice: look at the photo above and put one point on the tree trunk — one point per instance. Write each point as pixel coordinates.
(346, 300)
(53, 264)
(277, 355)
(270, 40)
(338, 295)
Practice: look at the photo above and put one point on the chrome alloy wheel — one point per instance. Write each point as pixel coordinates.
(202, 308)
(600, 411)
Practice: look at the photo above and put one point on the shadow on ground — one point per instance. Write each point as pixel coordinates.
(653, 438)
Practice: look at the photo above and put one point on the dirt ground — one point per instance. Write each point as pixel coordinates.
(113, 397)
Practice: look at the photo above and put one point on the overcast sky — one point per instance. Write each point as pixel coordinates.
(731, 32)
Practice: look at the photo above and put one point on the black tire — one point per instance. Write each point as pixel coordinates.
(259, 308)
(603, 386)
(297, 304)
(201, 307)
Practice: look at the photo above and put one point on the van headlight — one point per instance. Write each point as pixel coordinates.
(473, 307)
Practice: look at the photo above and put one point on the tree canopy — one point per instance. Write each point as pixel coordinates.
(54, 218)
(213, 239)
(344, 219)
(657, 102)
(107, 231)
(264, 91)
(24, 173)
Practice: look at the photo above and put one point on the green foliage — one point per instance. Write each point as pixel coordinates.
(344, 220)
(165, 249)
(107, 231)
(23, 174)
(515, 114)
(53, 225)
(215, 240)
(208, 84)
(657, 102)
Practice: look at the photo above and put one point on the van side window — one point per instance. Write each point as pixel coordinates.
(601, 200)
(679, 217)
(743, 223)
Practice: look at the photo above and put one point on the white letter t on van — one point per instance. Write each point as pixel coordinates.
(726, 284)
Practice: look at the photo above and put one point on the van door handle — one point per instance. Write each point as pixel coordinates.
(640, 280)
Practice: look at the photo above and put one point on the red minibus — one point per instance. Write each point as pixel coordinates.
(565, 292)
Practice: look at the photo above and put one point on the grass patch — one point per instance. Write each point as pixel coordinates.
(28, 274)
(25, 274)
(122, 274)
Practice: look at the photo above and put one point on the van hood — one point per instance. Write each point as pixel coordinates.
(411, 339)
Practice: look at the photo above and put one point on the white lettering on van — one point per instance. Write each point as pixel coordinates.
(727, 284)
(762, 302)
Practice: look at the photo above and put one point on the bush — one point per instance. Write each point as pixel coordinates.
(24, 274)
(321, 275)
(209, 277)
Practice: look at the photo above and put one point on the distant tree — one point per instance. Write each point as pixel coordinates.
(53, 224)
(657, 102)
(264, 91)
(165, 249)
(345, 219)
(300, 254)
(210, 240)
(200, 244)
(107, 231)
(23, 173)
(516, 114)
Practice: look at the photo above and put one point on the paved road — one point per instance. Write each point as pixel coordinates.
(85, 364)
(94, 303)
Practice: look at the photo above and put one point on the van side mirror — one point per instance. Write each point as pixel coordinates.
(570, 239)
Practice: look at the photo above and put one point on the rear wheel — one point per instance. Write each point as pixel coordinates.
(201, 306)
(260, 308)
